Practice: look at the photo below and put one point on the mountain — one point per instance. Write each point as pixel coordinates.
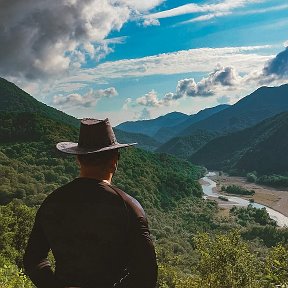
(183, 147)
(263, 103)
(144, 141)
(150, 127)
(262, 148)
(167, 133)
(14, 99)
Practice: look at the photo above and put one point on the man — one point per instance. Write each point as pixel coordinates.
(98, 234)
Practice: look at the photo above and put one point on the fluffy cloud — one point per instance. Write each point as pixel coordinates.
(151, 100)
(87, 100)
(278, 66)
(43, 38)
(150, 22)
(220, 78)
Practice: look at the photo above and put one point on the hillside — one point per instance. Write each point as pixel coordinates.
(167, 133)
(150, 127)
(167, 187)
(183, 147)
(144, 141)
(29, 156)
(265, 102)
(263, 148)
(14, 99)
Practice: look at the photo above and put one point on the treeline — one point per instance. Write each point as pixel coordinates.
(273, 180)
(235, 189)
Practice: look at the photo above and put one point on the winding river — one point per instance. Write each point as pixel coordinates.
(209, 186)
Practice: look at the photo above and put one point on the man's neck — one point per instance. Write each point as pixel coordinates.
(94, 174)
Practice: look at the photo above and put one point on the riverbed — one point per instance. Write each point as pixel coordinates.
(209, 189)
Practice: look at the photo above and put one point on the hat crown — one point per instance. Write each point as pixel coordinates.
(96, 134)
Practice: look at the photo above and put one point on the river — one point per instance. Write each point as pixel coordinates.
(209, 184)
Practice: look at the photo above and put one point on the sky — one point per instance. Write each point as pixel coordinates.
(131, 60)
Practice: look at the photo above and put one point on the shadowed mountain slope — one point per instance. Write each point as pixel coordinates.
(263, 148)
(14, 99)
(150, 127)
(265, 102)
(167, 133)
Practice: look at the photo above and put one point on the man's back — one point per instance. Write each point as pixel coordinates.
(96, 232)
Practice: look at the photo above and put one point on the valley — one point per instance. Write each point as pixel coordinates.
(276, 199)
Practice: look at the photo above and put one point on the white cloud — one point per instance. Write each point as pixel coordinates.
(217, 7)
(206, 17)
(150, 22)
(126, 104)
(87, 100)
(213, 15)
(41, 38)
(150, 100)
(244, 60)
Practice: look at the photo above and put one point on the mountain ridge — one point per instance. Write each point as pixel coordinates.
(263, 148)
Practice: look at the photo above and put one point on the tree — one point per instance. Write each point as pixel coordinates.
(226, 262)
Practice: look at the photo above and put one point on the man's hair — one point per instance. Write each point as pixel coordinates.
(97, 159)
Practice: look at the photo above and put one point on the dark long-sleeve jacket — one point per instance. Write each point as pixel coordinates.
(98, 235)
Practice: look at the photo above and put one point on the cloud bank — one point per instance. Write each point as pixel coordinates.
(219, 82)
(42, 38)
(87, 100)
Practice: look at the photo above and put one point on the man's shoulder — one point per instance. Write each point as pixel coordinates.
(132, 204)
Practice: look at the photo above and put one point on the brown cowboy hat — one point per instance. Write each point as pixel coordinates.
(95, 136)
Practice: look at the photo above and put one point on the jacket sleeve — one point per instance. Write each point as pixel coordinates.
(142, 259)
(36, 264)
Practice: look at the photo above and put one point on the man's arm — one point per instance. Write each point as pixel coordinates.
(36, 264)
(142, 265)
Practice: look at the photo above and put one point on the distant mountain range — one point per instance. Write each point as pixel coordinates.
(188, 136)
(265, 102)
(151, 127)
(262, 148)
(167, 133)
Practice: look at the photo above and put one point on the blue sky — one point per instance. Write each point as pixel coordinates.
(130, 60)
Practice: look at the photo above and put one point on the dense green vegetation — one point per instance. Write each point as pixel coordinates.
(191, 238)
(262, 148)
(235, 189)
(252, 215)
(183, 147)
(273, 180)
(13, 99)
(144, 142)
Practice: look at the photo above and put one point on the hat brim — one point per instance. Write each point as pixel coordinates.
(72, 148)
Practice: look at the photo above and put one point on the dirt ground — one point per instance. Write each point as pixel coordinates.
(276, 199)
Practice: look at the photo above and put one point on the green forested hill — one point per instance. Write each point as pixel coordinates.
(150, 127)
(263, 103)
(144, 141)
(29, 157)
(262, 148)
(185, 146)
(31, 168)
(14, 99)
